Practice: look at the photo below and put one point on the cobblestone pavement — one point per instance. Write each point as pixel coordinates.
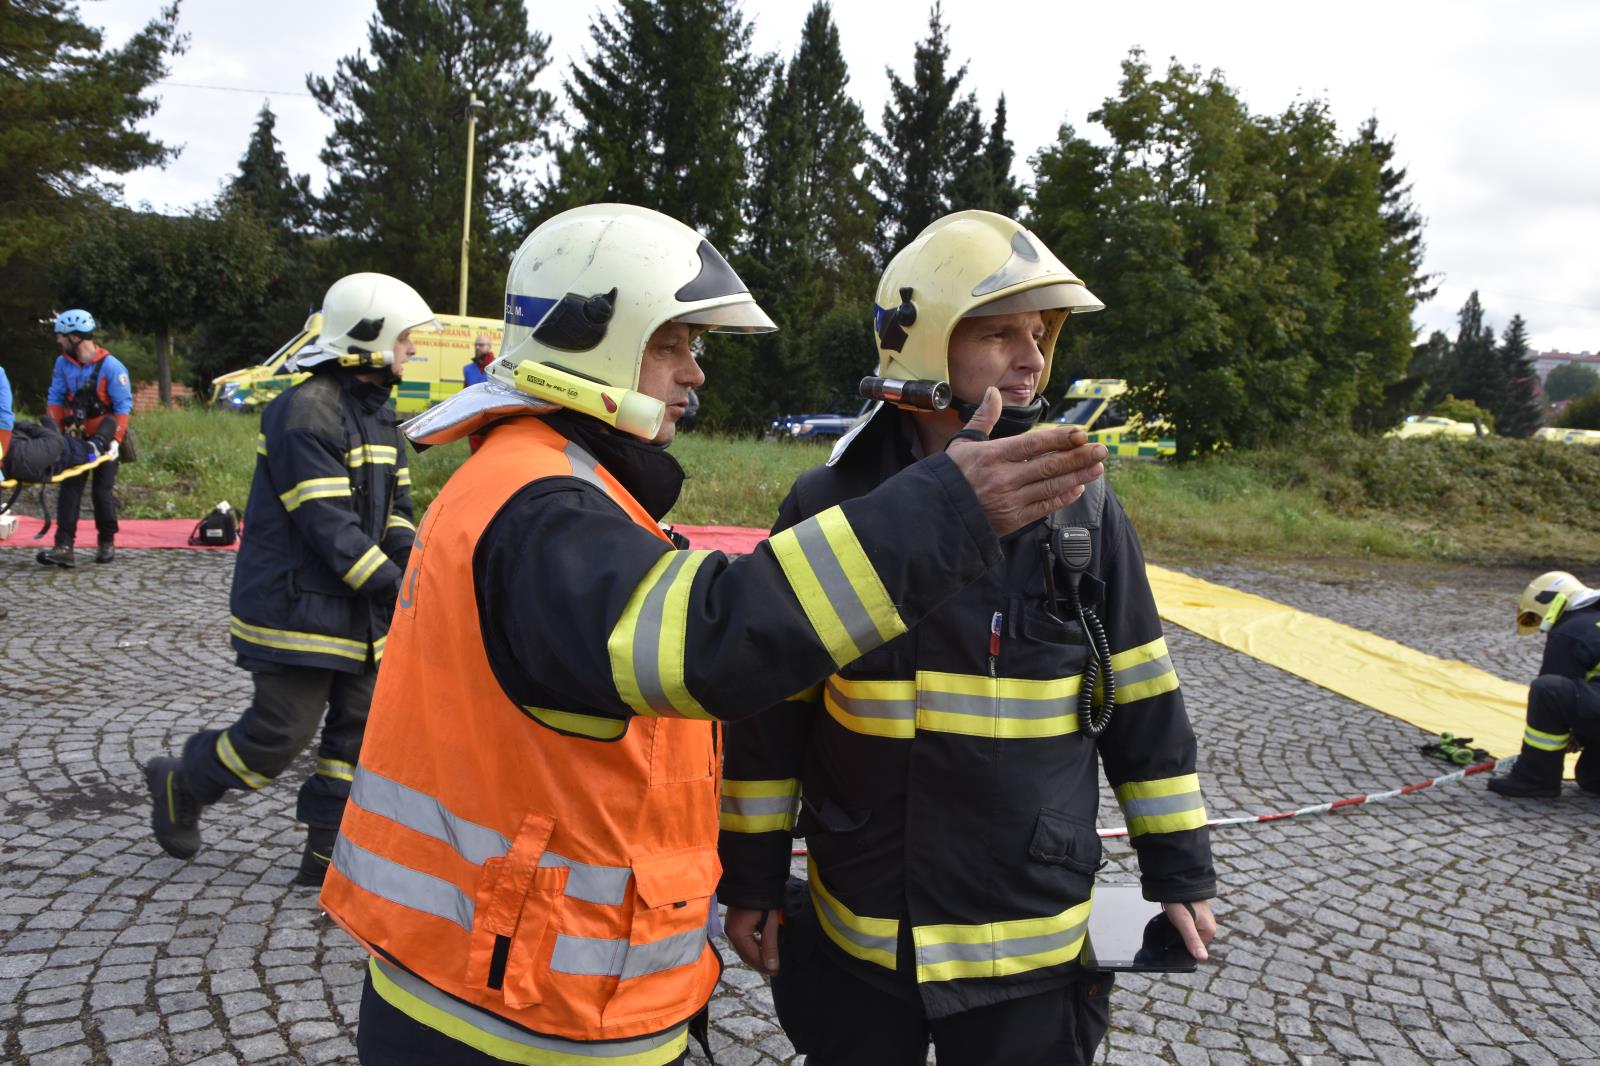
(1453, 927)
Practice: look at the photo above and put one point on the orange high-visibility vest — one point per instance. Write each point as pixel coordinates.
(558, 882)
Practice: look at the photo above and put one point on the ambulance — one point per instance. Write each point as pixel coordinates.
(1096, 406)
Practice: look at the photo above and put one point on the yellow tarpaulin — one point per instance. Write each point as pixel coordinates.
(1436, 695)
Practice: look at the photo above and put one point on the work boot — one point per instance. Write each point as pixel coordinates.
(57, 556)
(1587, 772)
(318, 854)
(1535, 774)
(174, 812)
(106, 552)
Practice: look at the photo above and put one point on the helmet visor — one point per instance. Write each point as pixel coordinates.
(1528, 623)
(744, 316)
(1062, 295)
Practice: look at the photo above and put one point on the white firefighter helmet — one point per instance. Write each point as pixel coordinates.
(1546, 597)
(363, 315)
(588, 288)
(964, 265)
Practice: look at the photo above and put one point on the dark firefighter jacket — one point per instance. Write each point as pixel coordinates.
(1572, 648)
(949, 800)
(328, 529)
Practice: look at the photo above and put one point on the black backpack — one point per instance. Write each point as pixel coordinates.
(217, 529)
(35, 453)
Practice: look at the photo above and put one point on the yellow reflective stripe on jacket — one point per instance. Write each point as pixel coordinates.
(399, 521)
(840, 592)
(336, 769)
(1003, 707)
(868, 939)
(759, 806)
(969, 704)
(365, 567)
(1543, 741)
(386, 454)
(317, 488)
(261, 444)
(999, 949)
(229, 757)
(289, 640)
(1144, 671)
(593, 726)
(501, 1040)
(647, 645)
(403, 477)
(1165, 805)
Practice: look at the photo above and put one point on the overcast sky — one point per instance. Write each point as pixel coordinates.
(1493, 104)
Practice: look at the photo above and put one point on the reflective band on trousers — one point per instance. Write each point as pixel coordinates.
(999, 949)
(647, 647)
(758, 806)
(1543, 741)
(837, 585)
(969, 704)
(500, 1039)
(1165, 805)
(229, 757)
(475, 843)
(868, 939)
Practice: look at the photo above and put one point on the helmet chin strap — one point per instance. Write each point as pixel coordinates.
(1013, 420)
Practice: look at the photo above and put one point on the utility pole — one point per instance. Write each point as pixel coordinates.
(474, 105)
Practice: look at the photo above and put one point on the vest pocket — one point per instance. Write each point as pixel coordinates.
(671, 906)
(1071, 846)
(680, 750)
(512, 939)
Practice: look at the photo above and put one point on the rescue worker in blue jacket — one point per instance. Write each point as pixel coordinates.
(1563, 701)
(90, 397)
(8, 418)
(329, 530)
(947, 782)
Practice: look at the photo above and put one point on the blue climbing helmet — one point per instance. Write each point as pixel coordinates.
(77, 320)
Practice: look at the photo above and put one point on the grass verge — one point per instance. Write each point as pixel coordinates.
(1462, 500)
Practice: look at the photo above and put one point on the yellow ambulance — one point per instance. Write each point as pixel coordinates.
(1096, 405)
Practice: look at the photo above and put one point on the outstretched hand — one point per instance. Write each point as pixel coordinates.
(1195, 923)
(1021, 479)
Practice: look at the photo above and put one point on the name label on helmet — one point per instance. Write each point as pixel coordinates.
(526, 310)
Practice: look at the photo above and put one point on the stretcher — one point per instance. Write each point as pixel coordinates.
(8, 521)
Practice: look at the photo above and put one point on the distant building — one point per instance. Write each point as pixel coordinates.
(1544, 362)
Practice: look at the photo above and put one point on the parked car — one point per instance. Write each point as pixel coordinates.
(1568, 436)
(828, 425)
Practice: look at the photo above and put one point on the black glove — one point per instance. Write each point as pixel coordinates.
(104, 435)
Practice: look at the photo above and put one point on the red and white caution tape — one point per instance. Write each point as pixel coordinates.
(1354, 801)
(1323, 808)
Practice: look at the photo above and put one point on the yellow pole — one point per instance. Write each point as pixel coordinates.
(466, 209)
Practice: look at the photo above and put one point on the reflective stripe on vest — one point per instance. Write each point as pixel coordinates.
(499, 1039)
(476, 844)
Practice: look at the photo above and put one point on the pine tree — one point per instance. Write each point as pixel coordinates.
(811, 211)
(397, 153)
(1477, 367)
(1401, 218)
(987, 184)
(931, 138)
(662, 102)
(70, 110)
(1519, 411)
(282, 199)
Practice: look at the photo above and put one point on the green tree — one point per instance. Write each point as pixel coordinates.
(1570, 380)
(1464, 411)
(1401, 218)
(1582, 413)
(397, 153)
(70, 109)
(808, 248)
(1518, 409)
(663, 102)
(163, 274)
(987, 183)
(932, 137)
(281, 198)
(1477, 367)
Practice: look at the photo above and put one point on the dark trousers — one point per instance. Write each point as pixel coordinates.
(276, 727)
(839, 1019)
(103, 497)
(1558, 706)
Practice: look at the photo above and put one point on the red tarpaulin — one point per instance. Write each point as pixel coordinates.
(174, 533)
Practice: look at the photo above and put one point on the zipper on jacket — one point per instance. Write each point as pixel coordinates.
(995, 625)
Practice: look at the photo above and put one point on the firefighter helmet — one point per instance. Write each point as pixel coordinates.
(963, 265)
(1546, 597)
(589, 287)
(363, 316)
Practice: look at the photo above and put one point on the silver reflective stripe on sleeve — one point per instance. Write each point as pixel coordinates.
(498, 1030)
(402, 885)
(1144, 671)
(829, 573)
(596, 957)
(1146, 808)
